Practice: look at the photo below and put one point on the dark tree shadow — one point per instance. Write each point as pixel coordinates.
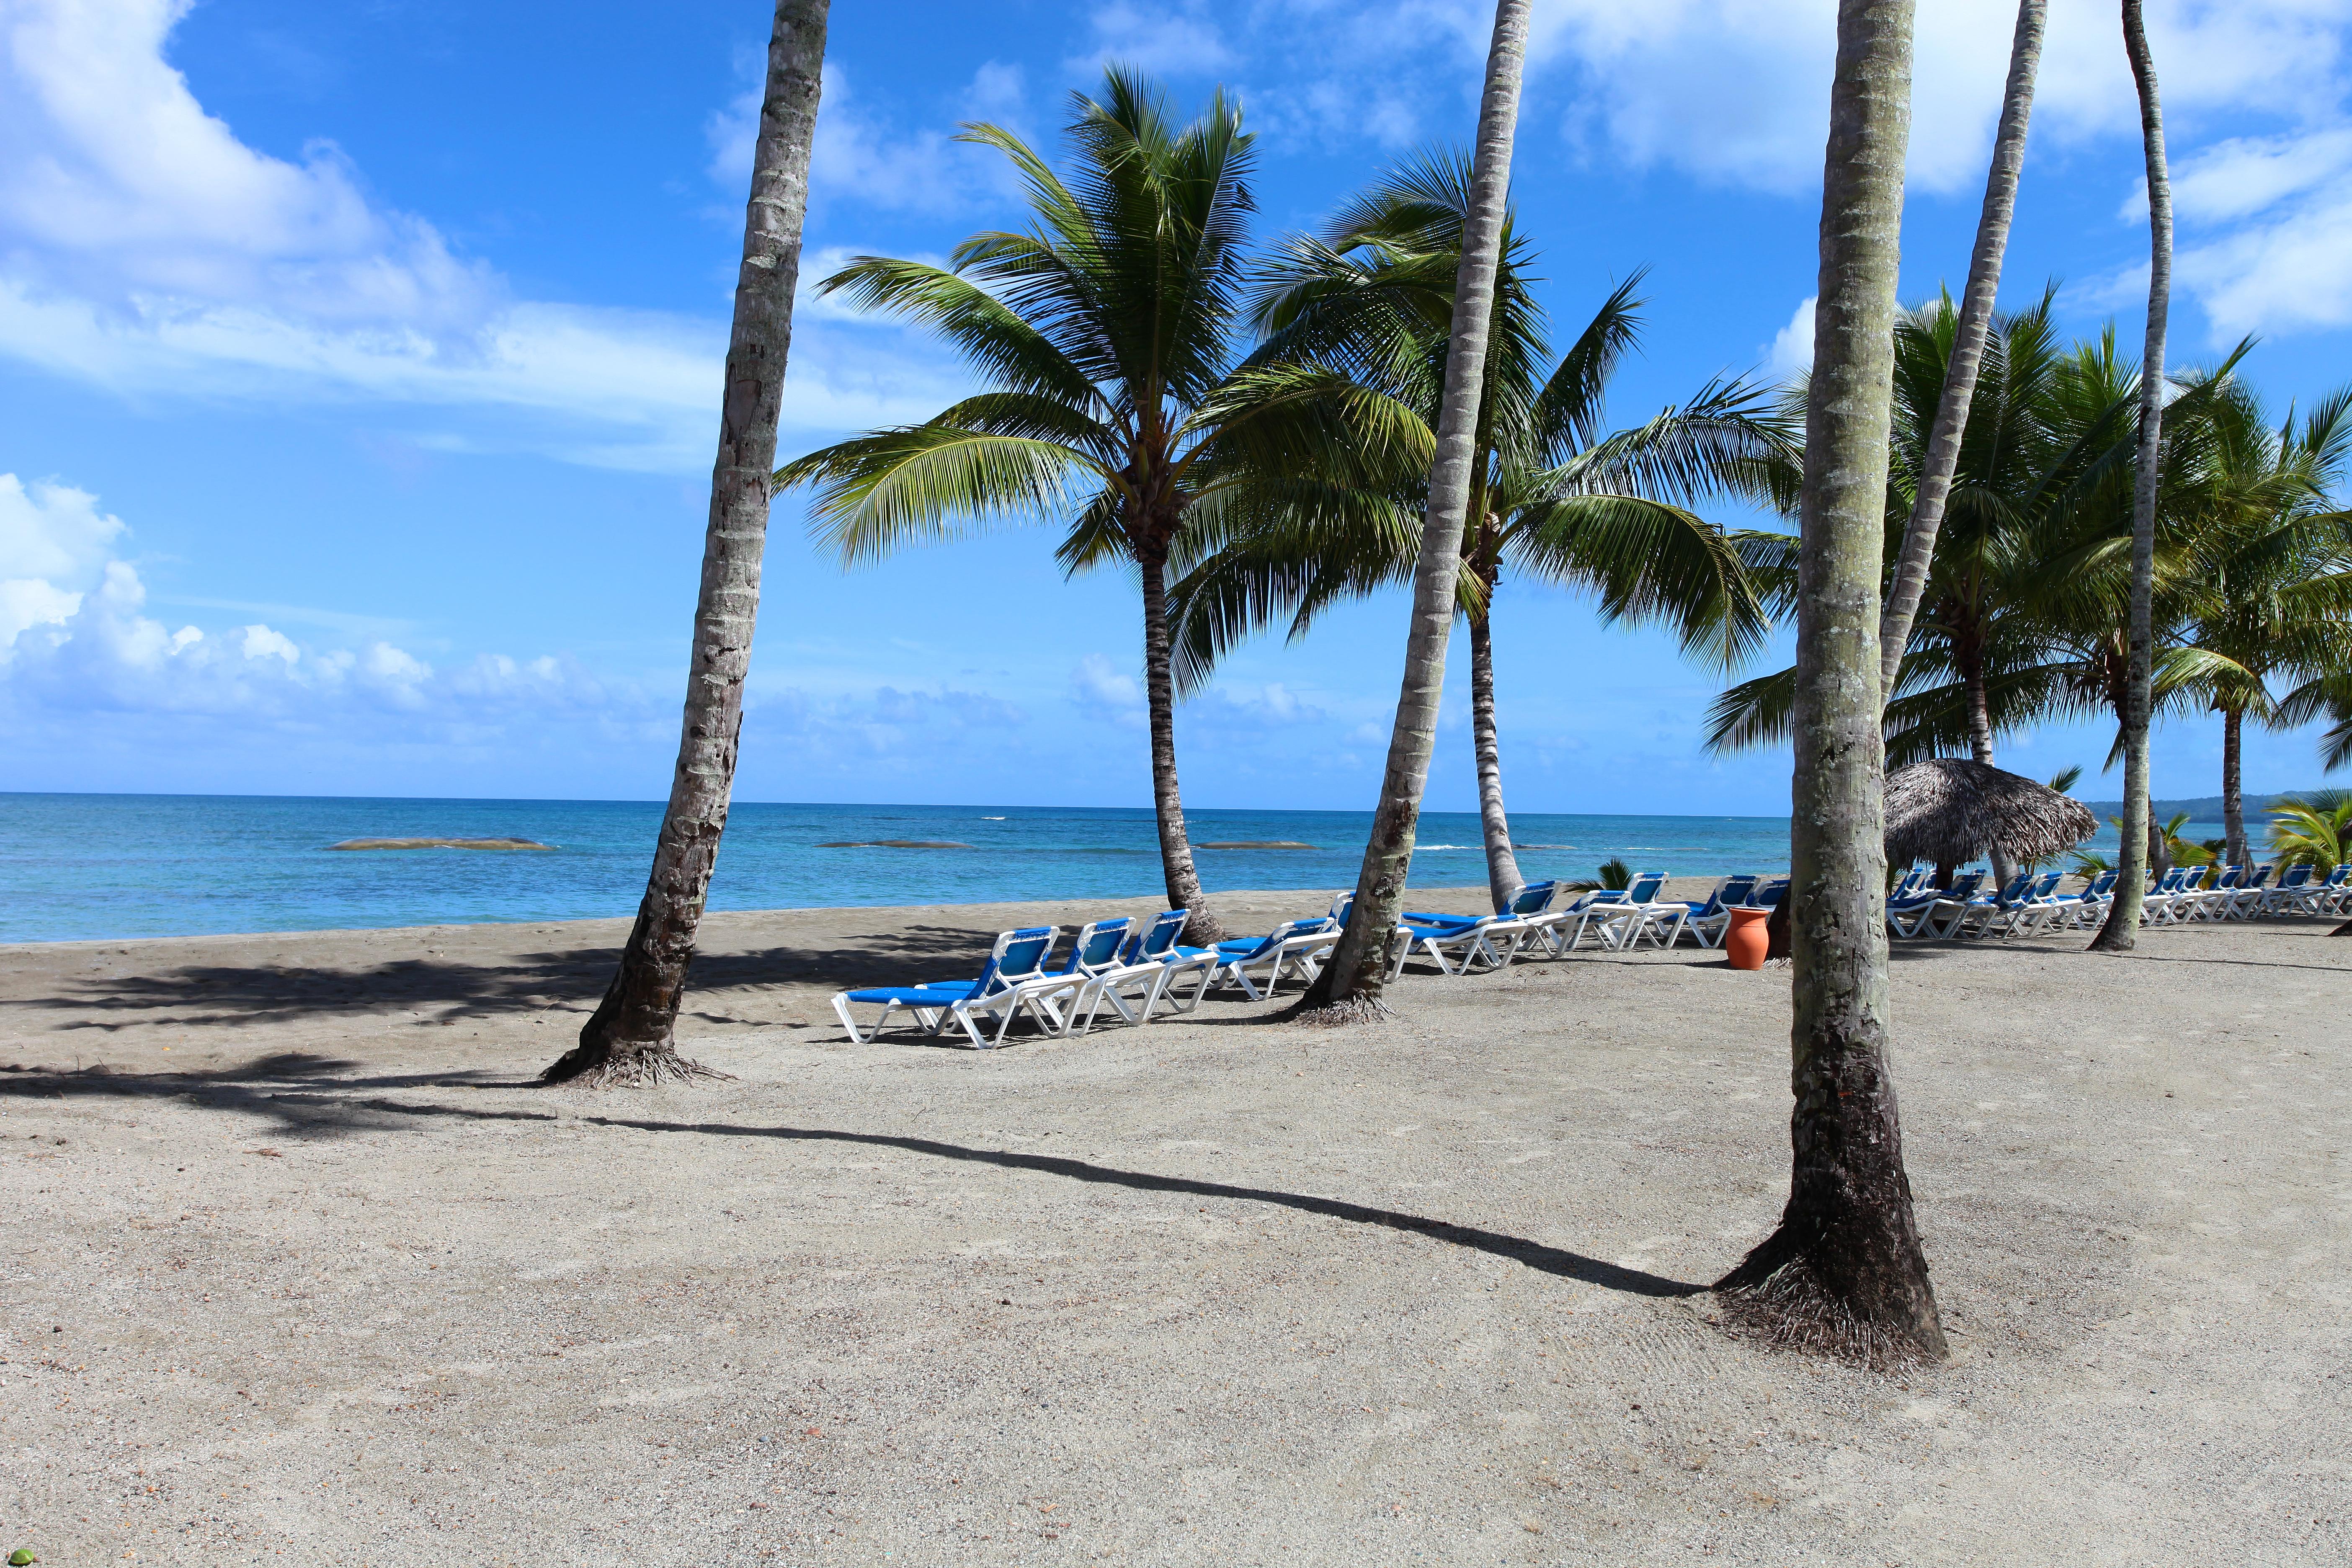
(300, 1110)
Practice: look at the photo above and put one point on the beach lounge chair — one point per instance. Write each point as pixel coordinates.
(1480, 942)
(1150, 971)
(1017, 961)
(2211, 900)
(1995, 915)
(1951, 906)
(1659, 919)
(1291, 948)
(2326, 897)
(1708, 921)
(1621, 921)
(2156, 905)
(2248, 897)
(2288, 894)
(2040, 911)
(1908, 907)
(2072, 911)
(2187, 901)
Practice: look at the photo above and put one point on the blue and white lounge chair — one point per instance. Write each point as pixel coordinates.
(1918, 914)
(1708, 921)
(1482, 941)
(1291, 948)
(2285, 897)
(1151, 970)
(1017, 960)
(2248, 899)
(1620, 923)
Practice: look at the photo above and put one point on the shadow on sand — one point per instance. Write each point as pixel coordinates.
(310, 1101)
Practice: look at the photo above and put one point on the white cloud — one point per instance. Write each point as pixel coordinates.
(1176, 37)
(144, 248)
(860, 157)
(2266, 226)
(1096, 683)
(75, 639)
(1790, 352)
(1738, 90)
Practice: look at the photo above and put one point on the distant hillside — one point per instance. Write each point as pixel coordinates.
(2201, 808)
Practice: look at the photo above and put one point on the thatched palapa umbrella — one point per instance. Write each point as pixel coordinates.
(1950, 810)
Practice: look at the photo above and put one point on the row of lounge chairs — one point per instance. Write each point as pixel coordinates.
(1136, 972)
(2031, 903)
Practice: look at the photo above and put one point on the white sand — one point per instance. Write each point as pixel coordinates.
(312, 1277)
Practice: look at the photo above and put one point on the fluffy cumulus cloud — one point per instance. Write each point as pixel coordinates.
(2266, 231)
(80, 649)
(144, 247)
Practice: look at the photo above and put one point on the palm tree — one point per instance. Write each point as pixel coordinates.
(1844, 1268)
(1550, 495)
(2274, 574)
(1966, 357)
(1350, 983)
(629, 1037)
(2313, 830)
(1114, 405)
(2121, 931)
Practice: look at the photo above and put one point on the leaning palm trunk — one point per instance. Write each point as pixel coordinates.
(1969, 653)
(1844, 1271)
(1935, 486)
(629, 1037)
(1200, 928)
(1355, 975)
(2121, 931)
(1503, 878)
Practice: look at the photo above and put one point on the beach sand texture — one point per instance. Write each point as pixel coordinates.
(309, 1273)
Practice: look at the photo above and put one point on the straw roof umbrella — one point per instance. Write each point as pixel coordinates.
(1950, 809)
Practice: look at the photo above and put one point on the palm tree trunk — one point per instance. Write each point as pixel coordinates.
(1968, 348)
(1503, 878)
(2234, 800)
(1359, 967)
(628, 1039)
(2122, 929)
(1201, 929)
(1844, 1271)
(1971, 657)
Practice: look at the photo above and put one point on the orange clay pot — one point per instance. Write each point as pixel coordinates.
(1746, 943)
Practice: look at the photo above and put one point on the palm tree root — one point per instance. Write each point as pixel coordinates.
(1339, 1015)
(2343, 930)
(600, 1065)
(1779, 1298)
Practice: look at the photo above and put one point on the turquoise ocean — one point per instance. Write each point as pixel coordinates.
(99, 866)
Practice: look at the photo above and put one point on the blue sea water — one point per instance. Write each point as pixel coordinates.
(94, 866)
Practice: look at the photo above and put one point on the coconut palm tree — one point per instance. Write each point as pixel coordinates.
(2121, 931)
(2273, 574)
(1844, 1268)
(1114, 406)
(628, 1039)
(1552, 498)
(1350, 983)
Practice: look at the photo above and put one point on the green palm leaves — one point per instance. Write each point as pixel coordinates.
(2315, 831)
(1101, 334)
(1555, 498)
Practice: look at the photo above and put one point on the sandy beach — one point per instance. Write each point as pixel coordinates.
(299, 1269)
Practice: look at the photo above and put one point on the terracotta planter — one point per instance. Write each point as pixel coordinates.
(1746, 943)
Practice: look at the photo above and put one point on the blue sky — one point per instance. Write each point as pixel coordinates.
(358, 369)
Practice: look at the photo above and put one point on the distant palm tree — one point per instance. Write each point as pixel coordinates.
(1114, 407)
(1552, 495)
(2272, 572)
